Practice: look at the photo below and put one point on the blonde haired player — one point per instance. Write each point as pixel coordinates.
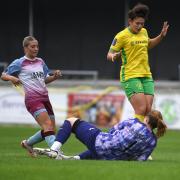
(32, 73)
(132, 45)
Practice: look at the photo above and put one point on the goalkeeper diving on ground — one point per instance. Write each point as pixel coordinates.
(128, 140)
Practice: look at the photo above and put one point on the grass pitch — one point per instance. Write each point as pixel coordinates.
(15, 164)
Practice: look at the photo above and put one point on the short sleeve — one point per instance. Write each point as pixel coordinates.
(14, 68)
(45, 69)
(117, 43)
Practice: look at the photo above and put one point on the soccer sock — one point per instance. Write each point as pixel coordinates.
(49, 137)
(56, 146)
(36, 138)
(64, 132)
(77, 157)
(140, 117)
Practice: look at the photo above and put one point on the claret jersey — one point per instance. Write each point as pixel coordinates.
(32, 74)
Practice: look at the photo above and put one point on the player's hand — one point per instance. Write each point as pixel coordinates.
(57, 74)
(16, 81)
(115, 56)
(164, 29)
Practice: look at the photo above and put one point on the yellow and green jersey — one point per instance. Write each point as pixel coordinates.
(134, 53)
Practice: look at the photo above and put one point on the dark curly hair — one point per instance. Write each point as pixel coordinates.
(140, 10)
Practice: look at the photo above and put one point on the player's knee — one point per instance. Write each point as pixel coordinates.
(72, 120)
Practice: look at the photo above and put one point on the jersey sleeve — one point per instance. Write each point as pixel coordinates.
(14, 68)
(45, 69)
(117, 43)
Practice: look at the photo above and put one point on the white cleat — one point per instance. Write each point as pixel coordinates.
(51, 154)
(54, 154)
(72, 158)
(61, 156)
(47, 152)
(150, 158)
(39, 151)
(28, 148)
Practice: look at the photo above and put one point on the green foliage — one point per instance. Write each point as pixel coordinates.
(15, 164)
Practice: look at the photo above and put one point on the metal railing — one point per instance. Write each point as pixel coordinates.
(80, 74)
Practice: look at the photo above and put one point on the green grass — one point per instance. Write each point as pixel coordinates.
(16, 165)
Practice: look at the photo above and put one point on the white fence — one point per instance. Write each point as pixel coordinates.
(12, 109)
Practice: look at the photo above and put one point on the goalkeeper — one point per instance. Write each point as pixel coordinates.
(127, 140)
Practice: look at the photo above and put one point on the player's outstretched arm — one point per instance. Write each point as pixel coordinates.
(55, 75)
(155, 41)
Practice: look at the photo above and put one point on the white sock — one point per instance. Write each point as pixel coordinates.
(77, 157)
(56, 146)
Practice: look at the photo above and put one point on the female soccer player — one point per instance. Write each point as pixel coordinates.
(132, 45)
(32, 73)
(128, 140)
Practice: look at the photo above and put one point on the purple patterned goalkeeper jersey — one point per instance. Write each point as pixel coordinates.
(32, 74)
(127, 140)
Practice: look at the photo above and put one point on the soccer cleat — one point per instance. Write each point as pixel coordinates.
(150, 158)
(70, 157)
(39, 151)
(28, 148)
(52, 154)
(61, 156)
(48, 152)
(58, 155)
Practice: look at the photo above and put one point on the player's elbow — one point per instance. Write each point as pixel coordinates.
(3, 77)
